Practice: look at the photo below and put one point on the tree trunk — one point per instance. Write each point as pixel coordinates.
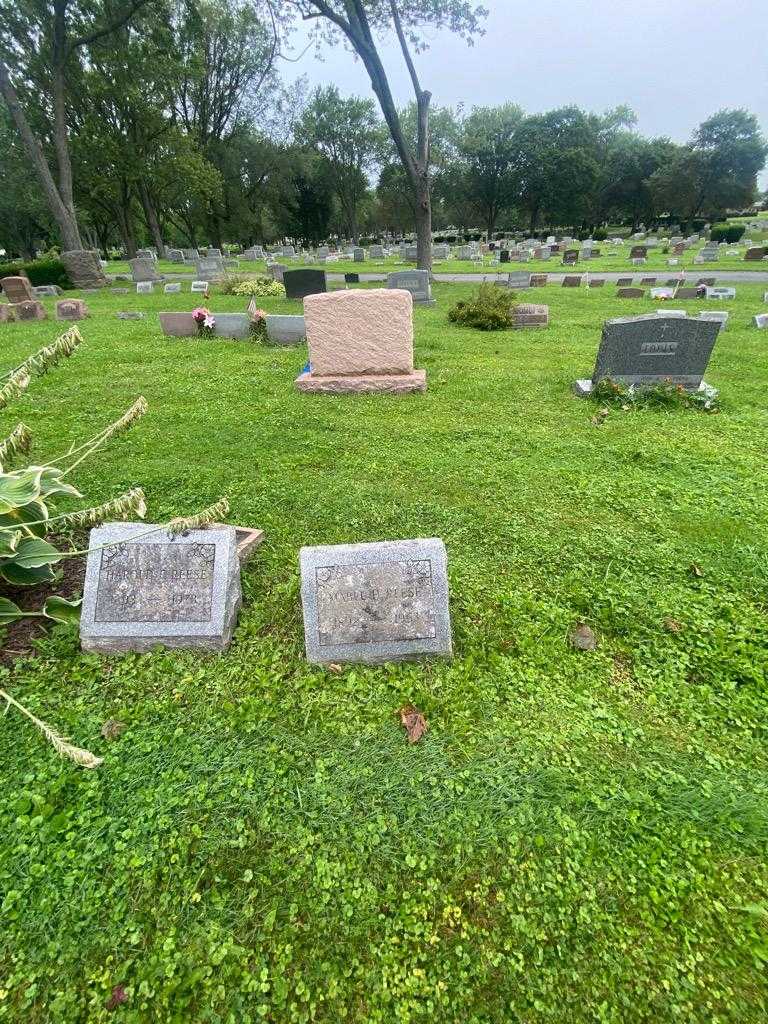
(60, 133)
(125, 223)
(70, 235)
(150, 215)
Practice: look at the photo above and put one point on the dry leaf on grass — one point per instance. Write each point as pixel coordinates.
(696, 570)
(333, 667)
(414, 723)
(673, 625)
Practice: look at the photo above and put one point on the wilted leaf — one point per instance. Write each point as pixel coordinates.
(672, 625)
(9, 612)
(583, 638)
(696, 570)
(119, 996)
(333, 667)
(600, 417)
(60, 610)
(413, 721)
(112, 728)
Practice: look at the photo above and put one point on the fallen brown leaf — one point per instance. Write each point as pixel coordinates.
(414, 722)
(583, 638)
(673, 625)
(697, 570)
(333, 667)
(112, 729)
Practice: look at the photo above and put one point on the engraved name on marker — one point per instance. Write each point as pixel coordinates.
(156, 583)
(360, 604)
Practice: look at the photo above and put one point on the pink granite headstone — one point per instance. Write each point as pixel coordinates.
(18, 289)
(360, 341)
(71, 309)
(32, 310)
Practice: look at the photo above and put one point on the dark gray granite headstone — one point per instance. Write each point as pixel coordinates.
(148, 588)
(299, 283)
(375, 602)
(646, 350)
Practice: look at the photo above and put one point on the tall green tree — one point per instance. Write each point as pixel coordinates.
(488, 148)
(360, 23)
(41, 43)
(347, 132)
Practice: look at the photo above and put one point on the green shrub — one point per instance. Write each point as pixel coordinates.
(44, 271)
(489, 309)
(600, 235)
(258, 286)
(727, 232)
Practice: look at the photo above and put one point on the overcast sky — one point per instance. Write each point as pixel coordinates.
(674, 62)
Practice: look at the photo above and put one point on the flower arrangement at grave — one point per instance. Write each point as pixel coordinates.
(205, 320)
(28, 498)
(258, 322)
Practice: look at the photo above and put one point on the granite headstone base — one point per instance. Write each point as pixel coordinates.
(371, 383)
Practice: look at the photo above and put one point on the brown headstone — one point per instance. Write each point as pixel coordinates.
(32, 310)
(529, 314)
(687, 293)
(571, 256)
(630, 293)
(679, 248)
(649, 281)
(572, 281)
(638, 252)
(755, 254)
(83, 268)
(624, 282)
(596, 282)
(71, 309)
(18, 289)
(539, 280)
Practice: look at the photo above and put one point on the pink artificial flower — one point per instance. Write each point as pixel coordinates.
(200, 313)
(209, 321)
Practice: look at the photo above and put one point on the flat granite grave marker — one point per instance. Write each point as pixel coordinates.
(720, 293)
(118, 291)
(529, 314)
(373, 603)
(145, 287)
(539, 280)
(300, 283)
(761, 321)
(414, 281)
(624, 282)
(519, 279)
(596, 282)
(150, 588)
(360, 341)
(351, 279)
(718, 316)
(755, 254)
(146, 589)
(199, 286)
(172, 288)
(130, 314)
(630, 293)
(178, 325)
(47, 291)
(232, 325)
(645, 350)
(688, 293)
(572, 281)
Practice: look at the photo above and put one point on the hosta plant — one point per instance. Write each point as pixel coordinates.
(258, 287)
(28, 515)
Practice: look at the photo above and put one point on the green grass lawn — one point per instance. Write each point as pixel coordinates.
(657, 264)
(580, 837)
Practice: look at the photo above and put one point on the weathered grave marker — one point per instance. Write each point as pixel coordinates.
(71, 309)
(414, 281)
(374, 603)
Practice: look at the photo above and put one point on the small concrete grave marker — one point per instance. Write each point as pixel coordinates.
(373, 603)
(761, 321)
(118, 291)
(130, 314)
(720, 293)
(199, 286)
(149, 588)
(283, 329)
(359, 341)
(529, 314)
(232, 325)
(630, 293)
(716, 316)
(178, 325)
(47, 291)
(300, 283)
(172, 288)
(71, 309)
(414, 281)
(645, 350)
(145, 288)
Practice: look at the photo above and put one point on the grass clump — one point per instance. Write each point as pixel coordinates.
(489, 309)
